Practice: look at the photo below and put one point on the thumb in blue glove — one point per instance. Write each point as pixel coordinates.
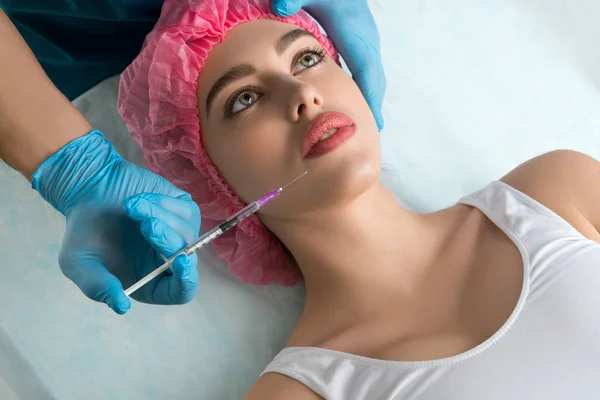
(122, 220)
(351, 27)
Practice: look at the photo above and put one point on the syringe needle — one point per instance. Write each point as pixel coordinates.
(294, 180)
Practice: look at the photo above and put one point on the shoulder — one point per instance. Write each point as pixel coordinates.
(565, 181)
(274, 386)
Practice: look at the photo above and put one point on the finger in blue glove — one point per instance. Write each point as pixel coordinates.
(95, 281)
(168, 232)
(179, 288)
(147, 206)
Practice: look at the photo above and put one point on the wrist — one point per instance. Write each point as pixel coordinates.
(28, 153)
(74, 170)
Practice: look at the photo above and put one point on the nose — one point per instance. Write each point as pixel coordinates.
(305, 102)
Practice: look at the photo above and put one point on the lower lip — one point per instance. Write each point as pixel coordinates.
(332, 142)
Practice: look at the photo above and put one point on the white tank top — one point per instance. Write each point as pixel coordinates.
(548, 349)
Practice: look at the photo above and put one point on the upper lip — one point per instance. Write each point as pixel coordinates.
(321, 125)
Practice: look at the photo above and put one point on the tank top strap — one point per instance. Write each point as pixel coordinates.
(520, 216)
(331, 374)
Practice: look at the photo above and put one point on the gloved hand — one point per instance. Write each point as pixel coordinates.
(351, 27)
(120, 219)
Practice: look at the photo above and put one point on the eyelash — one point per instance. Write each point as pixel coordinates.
(314, 50)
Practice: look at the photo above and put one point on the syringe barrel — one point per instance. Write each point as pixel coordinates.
(239, 216)
(224, 227)
(203, 240)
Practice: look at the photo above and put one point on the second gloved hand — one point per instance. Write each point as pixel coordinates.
(352, 29)
(121, 220)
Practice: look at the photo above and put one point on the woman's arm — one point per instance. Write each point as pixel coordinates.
(568, 183)
(273, 386)
(36, 120)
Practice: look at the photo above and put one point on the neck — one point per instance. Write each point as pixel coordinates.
(356, 257)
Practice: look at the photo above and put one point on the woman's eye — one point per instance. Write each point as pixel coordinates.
(243, 101)
(308, 60)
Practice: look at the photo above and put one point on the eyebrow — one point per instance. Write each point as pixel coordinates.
(235, 73)
(287, 39)
(244, 70)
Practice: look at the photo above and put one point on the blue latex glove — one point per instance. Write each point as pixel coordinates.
(351, 27)
(120, 219)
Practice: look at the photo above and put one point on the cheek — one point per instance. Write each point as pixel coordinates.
(250, 156)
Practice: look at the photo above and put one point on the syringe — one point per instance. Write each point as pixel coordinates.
(213, 234)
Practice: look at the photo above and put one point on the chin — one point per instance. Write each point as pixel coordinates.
(352, 182)
(340, 177)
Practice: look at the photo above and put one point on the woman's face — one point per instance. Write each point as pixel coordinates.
(266, 95)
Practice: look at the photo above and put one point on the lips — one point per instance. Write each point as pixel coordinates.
(326, 133)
